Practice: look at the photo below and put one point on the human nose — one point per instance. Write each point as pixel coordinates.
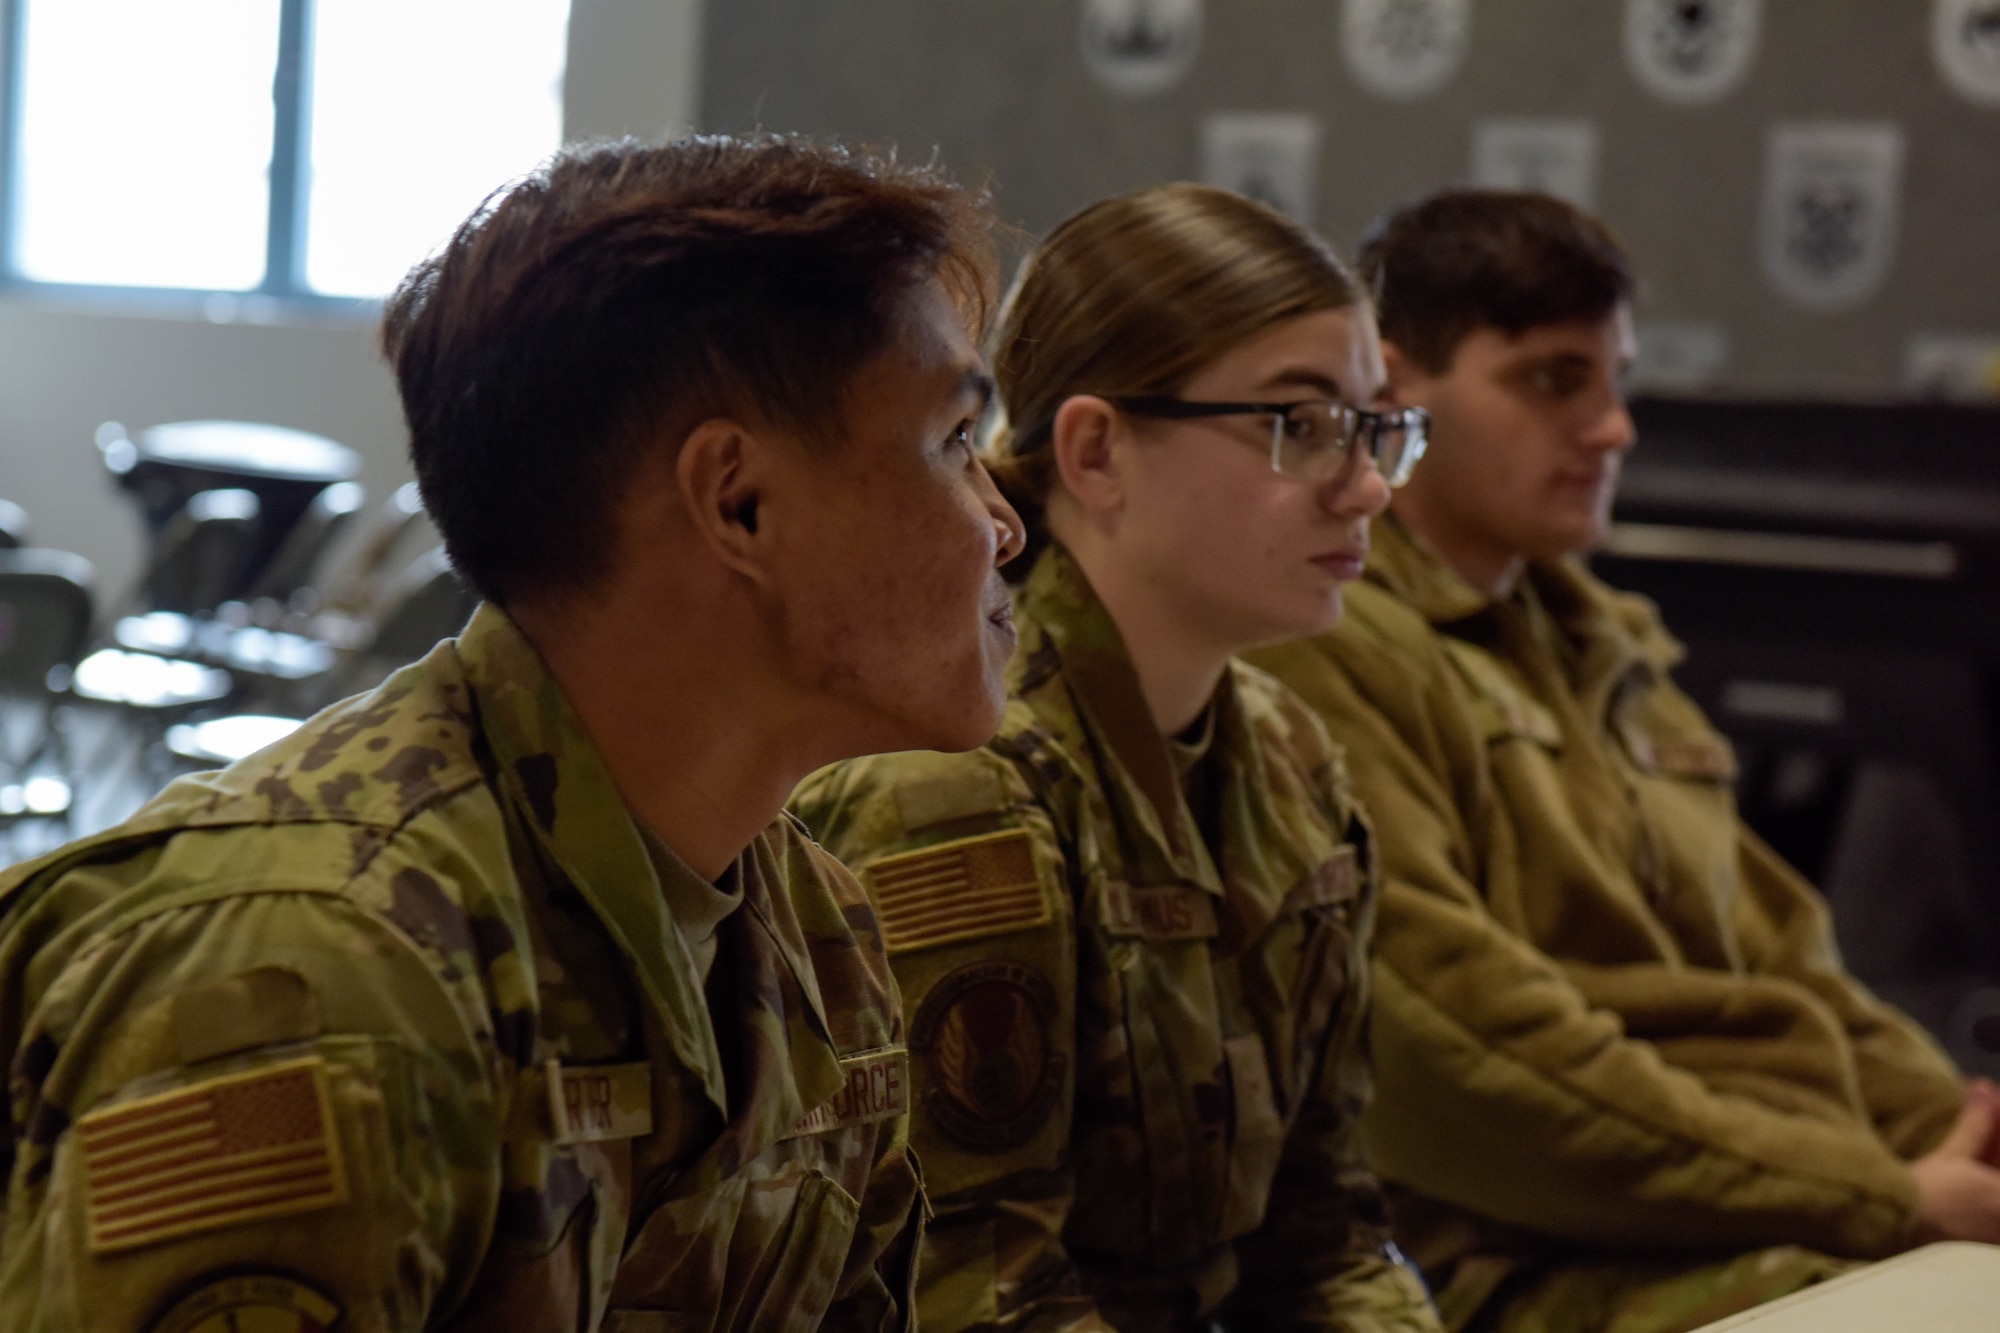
(1612, 431)
(1358, 489)
(1011, 532)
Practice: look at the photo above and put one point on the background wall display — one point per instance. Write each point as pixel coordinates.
(1956, 367)
(1831, 196)
(1557, 157)
(1965, 41)
(1678, 356)
(1140, 47)
(1404, 49)
(1691, 50)
(1001, 92)
(1270, 157)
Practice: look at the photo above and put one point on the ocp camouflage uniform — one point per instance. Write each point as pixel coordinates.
(1139, 1000)
(1615, 1040)
(390, 1025)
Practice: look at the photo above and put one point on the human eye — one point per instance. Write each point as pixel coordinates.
(1308, 426)
(1561, 380)
(960, 439)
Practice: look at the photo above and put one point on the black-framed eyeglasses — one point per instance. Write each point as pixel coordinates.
(1314, 439)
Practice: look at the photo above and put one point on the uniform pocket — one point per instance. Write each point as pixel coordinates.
(761, 1252)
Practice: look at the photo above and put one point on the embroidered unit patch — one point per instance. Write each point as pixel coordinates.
(985, 1033)
(226, 1151)
(877, 1087)
(250, 1303)
(957, 891)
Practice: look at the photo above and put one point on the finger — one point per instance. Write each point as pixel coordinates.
(1969, 1133)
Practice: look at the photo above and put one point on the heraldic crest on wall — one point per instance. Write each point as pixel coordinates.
(1140, 47)
(1831, 197)
(1691, 50)
(1965, 40)
(1405, 49)
(985, 1034)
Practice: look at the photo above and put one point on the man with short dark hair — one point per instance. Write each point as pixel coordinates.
(1623, 1081)
(505, 996)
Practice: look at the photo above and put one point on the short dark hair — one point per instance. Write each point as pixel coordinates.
(1464, 260)
(623, 293)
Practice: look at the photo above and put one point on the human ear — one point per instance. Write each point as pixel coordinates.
(1082, 436)
(1407, 384)
(720, 474)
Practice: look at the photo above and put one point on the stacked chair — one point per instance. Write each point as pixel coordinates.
(268, 591)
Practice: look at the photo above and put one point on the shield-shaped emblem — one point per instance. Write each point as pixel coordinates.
(1404, 49)
(1691, 50)
(1831, 196)
(1140, 47)
(1557, 157)
(1272, 158)
(1965, 40)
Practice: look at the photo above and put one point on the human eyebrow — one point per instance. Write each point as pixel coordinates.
(1298, 377)
(975, 383)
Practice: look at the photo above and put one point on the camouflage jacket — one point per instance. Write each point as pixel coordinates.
(1608, 1017)
(1139, 1057)
(388, 1024)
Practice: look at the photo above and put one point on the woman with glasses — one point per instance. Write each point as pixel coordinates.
(1131, 931)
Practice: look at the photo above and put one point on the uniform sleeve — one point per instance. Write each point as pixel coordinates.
(1910, 1087)
(265, 1103)
(1323, 1258)
(1501, 1086)
(968, 879)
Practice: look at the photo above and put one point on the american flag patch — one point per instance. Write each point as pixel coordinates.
(230, 1150)
(958, 891)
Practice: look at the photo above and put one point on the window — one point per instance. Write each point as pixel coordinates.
(293, 148)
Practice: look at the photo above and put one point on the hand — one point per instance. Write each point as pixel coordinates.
(1982, 1090)
(1958, 1191)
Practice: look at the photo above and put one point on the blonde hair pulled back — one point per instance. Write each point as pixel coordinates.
(1134, 295)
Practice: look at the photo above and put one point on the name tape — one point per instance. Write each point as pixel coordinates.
(593, 1103)
(1162, 912)
(876, 1087)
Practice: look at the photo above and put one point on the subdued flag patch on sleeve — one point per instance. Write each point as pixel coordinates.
(229, 1150)
(958, 891)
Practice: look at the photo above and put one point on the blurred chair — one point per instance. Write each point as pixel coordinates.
(13, 526)
(45, 617)
(360, 583)
(426, 602)
(165, 466)
(296, 561)
(199, 558)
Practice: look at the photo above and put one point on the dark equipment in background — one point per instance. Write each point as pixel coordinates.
(1834, 570)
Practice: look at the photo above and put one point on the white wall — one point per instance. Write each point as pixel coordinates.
(633, 68)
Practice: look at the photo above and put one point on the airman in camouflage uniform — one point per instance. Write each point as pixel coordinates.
(430, 899)
(1612, 1029)
(506, 996)
(1137, 969)
(1625, 1083)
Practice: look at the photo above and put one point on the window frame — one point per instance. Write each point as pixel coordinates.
(283, 290)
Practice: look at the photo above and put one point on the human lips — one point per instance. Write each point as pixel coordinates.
(1000, 615)
(1344, 563)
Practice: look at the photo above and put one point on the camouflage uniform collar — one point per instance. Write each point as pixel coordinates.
(1140, 772)
(1605, 633)
(1410, 567)
(552, 772)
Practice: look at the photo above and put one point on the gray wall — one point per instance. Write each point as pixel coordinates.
(65, 368)
(997, 87)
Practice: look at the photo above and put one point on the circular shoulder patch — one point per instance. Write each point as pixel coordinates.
(266, 1302)
(985, 1034)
